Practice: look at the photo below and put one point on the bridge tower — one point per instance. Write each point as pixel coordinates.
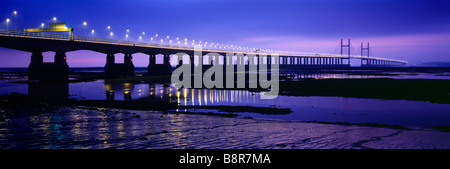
(365, 61)
(348, 50)
(363, 49)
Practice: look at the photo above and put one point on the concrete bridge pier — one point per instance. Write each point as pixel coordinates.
(113, 69)
(159, 69)
(192, 63)
(209, 63)
(56, 71)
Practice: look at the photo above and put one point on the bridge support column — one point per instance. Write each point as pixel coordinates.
(57, 71)
(151, 63)
(113, 69)
(209, 62)
(192, 63)
(159, 69)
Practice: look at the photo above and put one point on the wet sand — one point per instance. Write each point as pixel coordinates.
(82, 127)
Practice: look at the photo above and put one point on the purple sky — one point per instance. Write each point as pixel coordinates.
(415, 30)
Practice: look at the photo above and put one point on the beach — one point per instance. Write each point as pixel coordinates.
(81, 127)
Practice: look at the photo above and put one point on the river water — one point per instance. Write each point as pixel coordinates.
(421, 114)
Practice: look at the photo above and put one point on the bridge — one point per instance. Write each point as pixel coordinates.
(36, 43)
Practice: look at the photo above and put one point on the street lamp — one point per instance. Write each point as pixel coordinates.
(85, 27)
(54, 19)
(7, 21)
(42, 25)
(15, 19)
(92, 32)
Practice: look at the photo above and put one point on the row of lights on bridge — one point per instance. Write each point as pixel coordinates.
(154, 39)
(178, 41)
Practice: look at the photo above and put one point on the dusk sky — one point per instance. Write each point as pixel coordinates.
(413, 30)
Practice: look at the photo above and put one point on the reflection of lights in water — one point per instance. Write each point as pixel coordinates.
(211, 98)
(104, 130)
(199, 97)
(108, 87)
(178, 97)
(226, 96)
(205, 96)
(217, 95)
(192, 96)
(185, 96)
(232, 96)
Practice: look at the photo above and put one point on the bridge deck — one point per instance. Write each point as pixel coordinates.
(86, 41)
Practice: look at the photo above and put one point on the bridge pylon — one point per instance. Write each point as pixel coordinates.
(113, 69)
(56, 71)
(348, 50)
(154, 69)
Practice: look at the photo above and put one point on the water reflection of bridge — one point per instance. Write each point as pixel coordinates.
(182, 96)
(127, 91)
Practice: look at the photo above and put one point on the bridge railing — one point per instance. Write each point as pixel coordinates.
(35, 34)
(42, 35)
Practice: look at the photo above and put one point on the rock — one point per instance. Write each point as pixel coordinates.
(281, 145)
